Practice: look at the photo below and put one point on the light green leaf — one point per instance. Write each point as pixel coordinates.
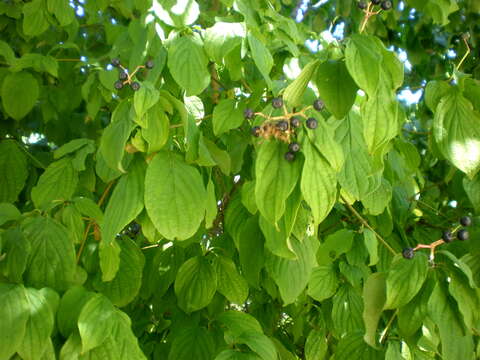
(14, 313)
(195, 284)
(316, 345)
(472, 188)
(318, 184)
(371, 244)
(378, 200)
(13, 171)
(39, 325)
(405, 279)
(468, 300)
(71, 147)
(238, 323)
(412, 315)
(275, 180)
(222, 38)
(260, 344)
(96, 322)
(192, 343)
(440, 10)
(323, 139)
(293, 93)
(177, 13)
(292, 276)
(347, 311)
(124, 206)
(62, 11)
(363, 58)
(227, 115)
(353, 347)
(71, 304)
(188, 64)
(7, 52)
(336, 87)
(52, 260)
(211, 205)
(237, 355)
(34, 20)
(456, 128)
(72, 219)
(251, 250)
(124, 287)
(456, 344)
(89, 208)
(229, 282)
(334, 245)
(323, 282)
(374, 296)
(435, 91)
(262, 58)
(115, 136)
(157, 128)
(57, 184)
(19, 93)
(143, 100)
(8, 212)
(17, 249)
(175, 197)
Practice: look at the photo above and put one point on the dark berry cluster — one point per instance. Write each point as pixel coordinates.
(284, 127)
(385, 4)
(124, 78)
(447, 237)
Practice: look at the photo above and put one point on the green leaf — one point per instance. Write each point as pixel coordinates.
(72, 219)
(13, 171)
(374, 296)
(195, 284)
(175, 197)
(238, 323)
(178, 13)
(157, 128)
(211, 205)
(472, 188)
(227, 115)
(435, 91)
(318, 184)
(275, 180)
(124, 287)
(115, 136)
(405, 279)
(8, 212)
(456, 128)
(17, 249)
(96, 322)
(188, 64)
(52, 260)
(262, 57)
(229, 282)
(34, 20)
(292, 276)
(357, 176)
(323, 282)
(260, 344)
(144, 99)
(347, 311)
(335, 245)
(353, 347)
(7, 52)
(71, 304)
(363, 59)
(89, 208)
(57, 184)
(251, 250)
(222, 38)
(62, 11)
(316, 345)
(14, 313)
(124, 206)
(468, 299)
(456, 344)
(293, 93)
(39, 325)
(440, 10)
(336, 87)
(20, 93)
(378, 200)
(192, 343)
(236, 355)
(371, 244)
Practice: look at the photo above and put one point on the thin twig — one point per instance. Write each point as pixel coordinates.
(90, 223)
(387, 327)
(364, 222)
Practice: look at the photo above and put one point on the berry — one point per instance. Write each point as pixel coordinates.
(277, 102)
(463, 234)
(362, 5)
(447, 236)
(118, 84)
(386, 5)
(375, 2)
(289, 156)
(149, 64)
(466, 220)
(282, 125)
(294, 147)
(123, 75)
(248, 114)
(408, 253)
(318, 105)
(135, 86)
(255, 131)
(312, 123)
(295, 122)
(116, 62)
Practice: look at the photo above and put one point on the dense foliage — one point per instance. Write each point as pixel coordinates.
(239, 179)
